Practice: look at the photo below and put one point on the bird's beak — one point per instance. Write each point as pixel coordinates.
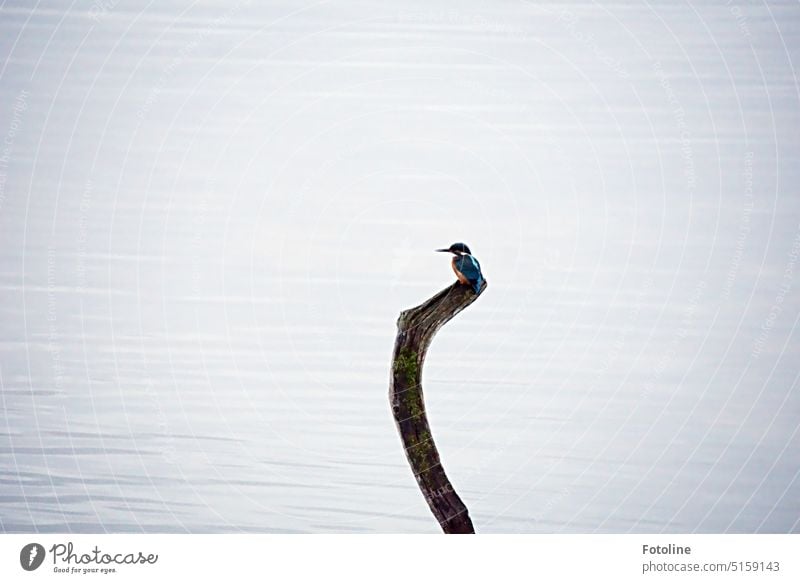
(442, 250)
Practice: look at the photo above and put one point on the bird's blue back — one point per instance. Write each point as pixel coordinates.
(471, 269)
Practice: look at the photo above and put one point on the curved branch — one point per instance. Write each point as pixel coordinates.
(415, 330)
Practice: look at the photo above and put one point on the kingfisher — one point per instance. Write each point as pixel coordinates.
(467, 268)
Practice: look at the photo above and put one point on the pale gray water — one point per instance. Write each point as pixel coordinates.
(211, 216)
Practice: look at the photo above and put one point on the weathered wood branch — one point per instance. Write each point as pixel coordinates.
(415, 330)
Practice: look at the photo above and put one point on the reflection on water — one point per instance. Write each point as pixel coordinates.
(210, 218)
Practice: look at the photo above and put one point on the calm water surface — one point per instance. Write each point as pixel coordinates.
(211, 216)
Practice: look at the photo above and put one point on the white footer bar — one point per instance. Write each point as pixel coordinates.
(377, 558)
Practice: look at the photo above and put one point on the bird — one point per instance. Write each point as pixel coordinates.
(467, 268)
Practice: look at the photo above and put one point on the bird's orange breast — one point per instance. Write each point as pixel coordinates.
(461, 277)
